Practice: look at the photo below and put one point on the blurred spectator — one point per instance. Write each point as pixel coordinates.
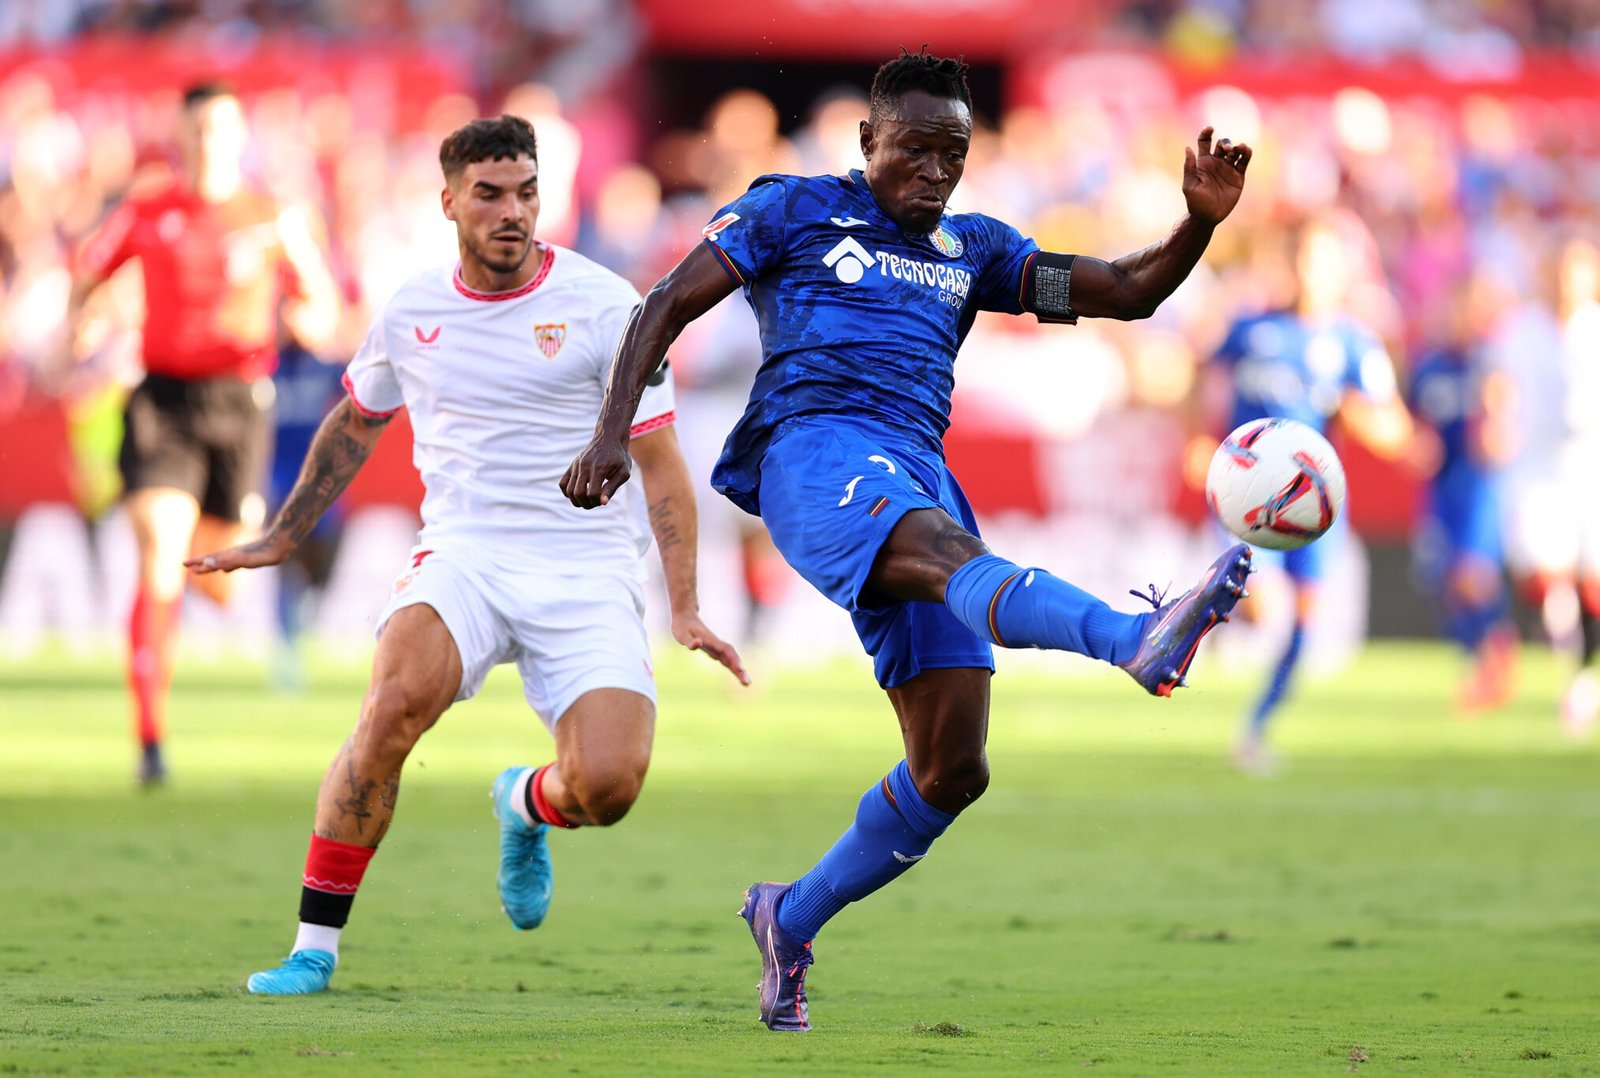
(1430, 187)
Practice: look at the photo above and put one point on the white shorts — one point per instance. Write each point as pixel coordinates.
(567, 634)
(1552, 527)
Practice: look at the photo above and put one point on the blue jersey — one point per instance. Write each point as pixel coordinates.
(1280, 366)
(859, 320)
(1447, 395)
(1461, 517)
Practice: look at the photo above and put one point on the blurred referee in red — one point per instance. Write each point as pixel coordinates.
(222, 262)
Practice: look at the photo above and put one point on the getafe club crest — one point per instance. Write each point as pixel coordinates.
(550, 336)
(946, 242)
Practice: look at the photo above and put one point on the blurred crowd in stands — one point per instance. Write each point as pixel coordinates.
(1455, 206)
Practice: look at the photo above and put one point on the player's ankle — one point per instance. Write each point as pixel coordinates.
(313, 937)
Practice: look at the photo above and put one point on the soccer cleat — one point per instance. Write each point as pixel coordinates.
(152, 768)
(1166, 651)
(525, 877)
(784, 960)
(301, 974)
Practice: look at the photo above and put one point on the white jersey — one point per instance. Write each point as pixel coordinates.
(503, 390)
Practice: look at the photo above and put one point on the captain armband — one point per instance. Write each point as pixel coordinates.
(1047, 291)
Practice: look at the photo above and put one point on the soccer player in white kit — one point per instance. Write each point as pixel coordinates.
(502, 361)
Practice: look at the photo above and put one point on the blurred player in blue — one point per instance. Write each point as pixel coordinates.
(864, 288)
(1305, 360)
(305, 390)
(1461, 408)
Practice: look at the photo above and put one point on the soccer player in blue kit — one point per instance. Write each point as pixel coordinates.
(1311, 362)
(864, 288)
(1460, 546)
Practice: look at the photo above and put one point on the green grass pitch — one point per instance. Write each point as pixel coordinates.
(1413, 895)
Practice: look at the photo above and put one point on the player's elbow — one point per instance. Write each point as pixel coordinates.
(670, 316)
(1134, 307)
(1127, 302)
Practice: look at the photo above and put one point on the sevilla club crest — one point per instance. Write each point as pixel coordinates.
(550, 336)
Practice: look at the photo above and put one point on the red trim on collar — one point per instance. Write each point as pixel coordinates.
(514, 293)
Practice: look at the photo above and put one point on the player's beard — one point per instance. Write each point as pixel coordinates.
(493, 262)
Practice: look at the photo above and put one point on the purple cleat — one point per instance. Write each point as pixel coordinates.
(1177, 628)
(783, 959)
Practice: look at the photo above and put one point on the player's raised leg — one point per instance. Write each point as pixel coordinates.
(930, 557)
(603, 746)
(415, 676)
(163, 520)
(944, 721)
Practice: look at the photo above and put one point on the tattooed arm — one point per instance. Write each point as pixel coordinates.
(341, 447)
(669, 491)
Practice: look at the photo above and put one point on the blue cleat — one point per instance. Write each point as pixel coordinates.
(784, 960)
(1166, 651)
(301, 974)
(525, 876)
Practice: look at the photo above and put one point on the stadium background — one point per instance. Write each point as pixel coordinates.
(1413, 894)
(1452, 143)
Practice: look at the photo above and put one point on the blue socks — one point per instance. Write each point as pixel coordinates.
(1278, 687)
(893, 829)
(1469, 622)
(1028, 608)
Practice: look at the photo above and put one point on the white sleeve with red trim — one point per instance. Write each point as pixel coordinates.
(370, 379)
(658, 406)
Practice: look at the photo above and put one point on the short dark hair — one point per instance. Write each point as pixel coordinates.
(197, 94)
(505, 137)
(940, 76)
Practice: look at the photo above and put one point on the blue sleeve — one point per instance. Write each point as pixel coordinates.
(1006, 256)
(748, 233)
(1232, 348)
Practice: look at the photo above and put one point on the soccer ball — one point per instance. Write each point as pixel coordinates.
(1276, 483)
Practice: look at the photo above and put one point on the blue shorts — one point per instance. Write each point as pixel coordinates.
(830, 495)
(1460, 522)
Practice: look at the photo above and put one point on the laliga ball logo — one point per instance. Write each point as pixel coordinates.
(1276, 483)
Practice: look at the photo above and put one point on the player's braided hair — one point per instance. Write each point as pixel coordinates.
(505, 137)
(941, 76)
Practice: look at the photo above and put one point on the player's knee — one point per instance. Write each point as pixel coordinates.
(607, 796)
(923, 551)
(956, 782)
(393, 719)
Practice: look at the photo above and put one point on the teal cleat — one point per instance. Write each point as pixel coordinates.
(301, 974)
(525, 876)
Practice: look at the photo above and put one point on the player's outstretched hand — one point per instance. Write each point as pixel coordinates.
(691, 632)
(264, 551)
(1214, 178)
(596, 474)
